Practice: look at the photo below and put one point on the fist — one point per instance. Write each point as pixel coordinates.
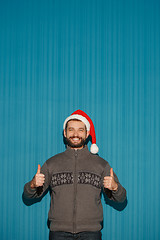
(38, 179)
(109, 182)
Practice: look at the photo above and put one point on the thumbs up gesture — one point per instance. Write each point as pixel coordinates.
(109, 182)
(38, 179)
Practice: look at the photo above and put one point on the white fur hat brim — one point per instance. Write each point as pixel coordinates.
(79, 117)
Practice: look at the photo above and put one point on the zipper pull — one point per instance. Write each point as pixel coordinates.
(76, 154)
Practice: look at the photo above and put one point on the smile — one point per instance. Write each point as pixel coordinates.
(75, 139)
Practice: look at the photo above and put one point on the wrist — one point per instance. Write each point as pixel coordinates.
(32, 185)
(116, 188)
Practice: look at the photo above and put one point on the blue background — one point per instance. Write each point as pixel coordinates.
(102, 56)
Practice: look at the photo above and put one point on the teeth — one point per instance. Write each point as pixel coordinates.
(75, 139)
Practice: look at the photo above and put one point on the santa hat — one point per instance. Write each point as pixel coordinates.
(82, 116)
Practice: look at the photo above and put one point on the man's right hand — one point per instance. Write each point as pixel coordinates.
(38, 179)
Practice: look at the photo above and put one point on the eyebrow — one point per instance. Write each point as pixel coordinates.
(81, 128)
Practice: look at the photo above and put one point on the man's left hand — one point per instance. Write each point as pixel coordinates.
(109, 182)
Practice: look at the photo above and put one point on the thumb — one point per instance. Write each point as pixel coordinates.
(111, 172)
(39, 168)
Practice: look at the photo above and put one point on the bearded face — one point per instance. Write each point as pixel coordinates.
(76, 134)
(75, 143)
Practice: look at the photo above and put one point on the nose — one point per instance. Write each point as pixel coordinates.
(75, 134)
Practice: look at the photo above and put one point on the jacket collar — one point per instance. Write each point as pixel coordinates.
(80, 152)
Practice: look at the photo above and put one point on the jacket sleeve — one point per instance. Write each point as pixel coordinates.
(30, 193)
(120, 194)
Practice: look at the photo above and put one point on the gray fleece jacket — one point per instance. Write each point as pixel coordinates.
(75, 178)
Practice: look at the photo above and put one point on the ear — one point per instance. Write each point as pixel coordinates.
(64, 132)
(88, 132)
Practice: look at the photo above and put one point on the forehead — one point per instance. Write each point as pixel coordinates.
(76, 124)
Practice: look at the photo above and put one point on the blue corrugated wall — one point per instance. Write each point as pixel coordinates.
(102, 56)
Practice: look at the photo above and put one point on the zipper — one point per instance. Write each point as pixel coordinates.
(75, 193)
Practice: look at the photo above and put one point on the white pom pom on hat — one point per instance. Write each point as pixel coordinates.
(82, 116)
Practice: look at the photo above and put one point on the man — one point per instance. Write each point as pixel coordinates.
(76, 178)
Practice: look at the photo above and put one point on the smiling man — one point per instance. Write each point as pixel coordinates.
(76, 134)
(76, 178)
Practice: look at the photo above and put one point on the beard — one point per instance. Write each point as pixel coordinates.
(75, 145)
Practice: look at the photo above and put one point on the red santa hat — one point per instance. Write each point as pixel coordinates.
(82, 116)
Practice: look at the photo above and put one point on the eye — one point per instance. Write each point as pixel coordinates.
(81, 130)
